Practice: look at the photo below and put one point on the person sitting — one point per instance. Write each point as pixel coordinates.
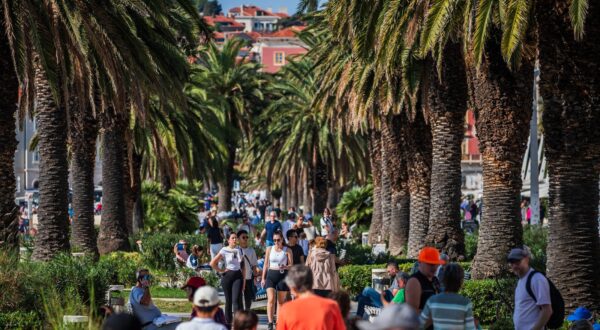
(193, 284)
(370, 296)
(401, 279)
(193, 261)
(180, 250)
(141, 303)
(206, 303)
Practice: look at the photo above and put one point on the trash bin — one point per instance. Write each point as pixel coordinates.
(379, 279)
(365, 238)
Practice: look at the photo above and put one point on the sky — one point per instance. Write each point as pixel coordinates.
(274, 4)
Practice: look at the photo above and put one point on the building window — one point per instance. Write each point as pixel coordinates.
(279, 58)
(36, 156)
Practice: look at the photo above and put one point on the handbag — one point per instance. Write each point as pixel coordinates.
(251, 278)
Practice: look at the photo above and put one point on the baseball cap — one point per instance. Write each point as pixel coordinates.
(430, 255)
(517, 254)
(206, 296)
(194, 282)
(581, 313)
(393, 316)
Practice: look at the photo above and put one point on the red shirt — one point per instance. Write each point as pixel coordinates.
(310, 313)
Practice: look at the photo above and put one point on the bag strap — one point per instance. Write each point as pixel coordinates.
(528, 285)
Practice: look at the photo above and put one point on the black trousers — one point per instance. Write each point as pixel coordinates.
(232, 287)
(248, 295)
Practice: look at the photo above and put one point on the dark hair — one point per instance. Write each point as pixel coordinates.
(138, 273)
(290, 233)
(241, 232)
(343, 300)
(230, 234)
(453, 277)
(244, 320)
(392, 263)
(206, 309)
(278, 232)
(300, 277)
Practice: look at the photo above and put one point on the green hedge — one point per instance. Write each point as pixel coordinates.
(492, 299)
(158, 249)
(20, 320)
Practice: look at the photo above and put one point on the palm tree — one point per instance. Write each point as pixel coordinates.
(568, 39)
(8, 144)
(234, 86)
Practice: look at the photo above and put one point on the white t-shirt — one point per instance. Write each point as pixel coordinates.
(250, 254)
(327, 228)
(232, 257)
(200, 324)
(245, 227)
(287, 225)
(527, 311)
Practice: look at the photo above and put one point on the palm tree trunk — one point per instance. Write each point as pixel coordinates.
(294, 191)
(284, 192)
(416, 143)
(400, 199)
(332, 192)
(375, 158)
(137, 221)
(9, 87)
(502, 104)
(83, 134)
(570, 89)
(129, 196)
(225, 184)
(447, 97)
(386, 187)
(307, 199)
(53, 217)
(113, 232)
(319, 183)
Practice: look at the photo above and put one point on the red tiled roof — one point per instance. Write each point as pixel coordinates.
(282, 15)
(213, 20)
(289, 32)
(252, 10)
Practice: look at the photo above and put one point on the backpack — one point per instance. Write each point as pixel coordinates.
(557, 302)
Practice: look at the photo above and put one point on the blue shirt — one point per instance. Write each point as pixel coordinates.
(271, 228)
(144, 313)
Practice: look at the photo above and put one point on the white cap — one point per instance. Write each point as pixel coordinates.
(206, 296)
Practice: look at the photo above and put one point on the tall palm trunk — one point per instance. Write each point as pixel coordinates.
(386, 186)
(285, 187)
(570, 89)
(319, 183)
(447, 97)
(225, 184)
(137, 221)
(307, 198)
(53, 217)
(400, 199)
(502, 102)
(113, 232)
(294, 189)
(375, 158)
(417, 147)
(9, 87)
(83, 134)
(129, 197)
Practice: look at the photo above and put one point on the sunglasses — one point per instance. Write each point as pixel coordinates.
(243, 237)
(277, 240)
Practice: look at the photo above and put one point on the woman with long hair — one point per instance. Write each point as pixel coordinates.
(278, 259)
(232, 281)
(215, 236)
(322, 264)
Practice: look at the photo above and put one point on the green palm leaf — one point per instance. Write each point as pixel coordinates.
(517, 20)
(578, 12)
(482, 26)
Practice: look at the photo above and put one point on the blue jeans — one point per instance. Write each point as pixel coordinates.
(370, 297)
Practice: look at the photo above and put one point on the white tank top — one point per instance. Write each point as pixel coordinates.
(277, 258)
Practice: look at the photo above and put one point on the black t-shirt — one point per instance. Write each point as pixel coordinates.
(297, 252)
(214, 235)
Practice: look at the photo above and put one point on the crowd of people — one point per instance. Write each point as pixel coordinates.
(298, 272)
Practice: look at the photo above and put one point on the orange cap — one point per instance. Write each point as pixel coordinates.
(430, 255)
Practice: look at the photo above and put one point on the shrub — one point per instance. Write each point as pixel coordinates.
(124, 265)
(20, 320)
(492, 299)
(536, 238)
(171, 212)
(158, 249)
(356, 204)
(471, 245)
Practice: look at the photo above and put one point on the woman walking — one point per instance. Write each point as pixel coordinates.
(322, 264)
(232, 281)
(215, 236)
(278, 260)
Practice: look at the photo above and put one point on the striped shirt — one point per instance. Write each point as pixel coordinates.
(448, 311)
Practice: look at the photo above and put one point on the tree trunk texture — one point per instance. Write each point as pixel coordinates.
(333, 193)
(416, 143)
(400, 199)
(9, 89)
(502, 102)
(447, 97)
(570, 87)
(375, 158)
(83, 132)
(136, 187)
(113, 231)
(226, 182)
(128, 194)
(53, 217)
(386, 187)
(319, 183)
(294, 190)
(285, 187)
(307, 199)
